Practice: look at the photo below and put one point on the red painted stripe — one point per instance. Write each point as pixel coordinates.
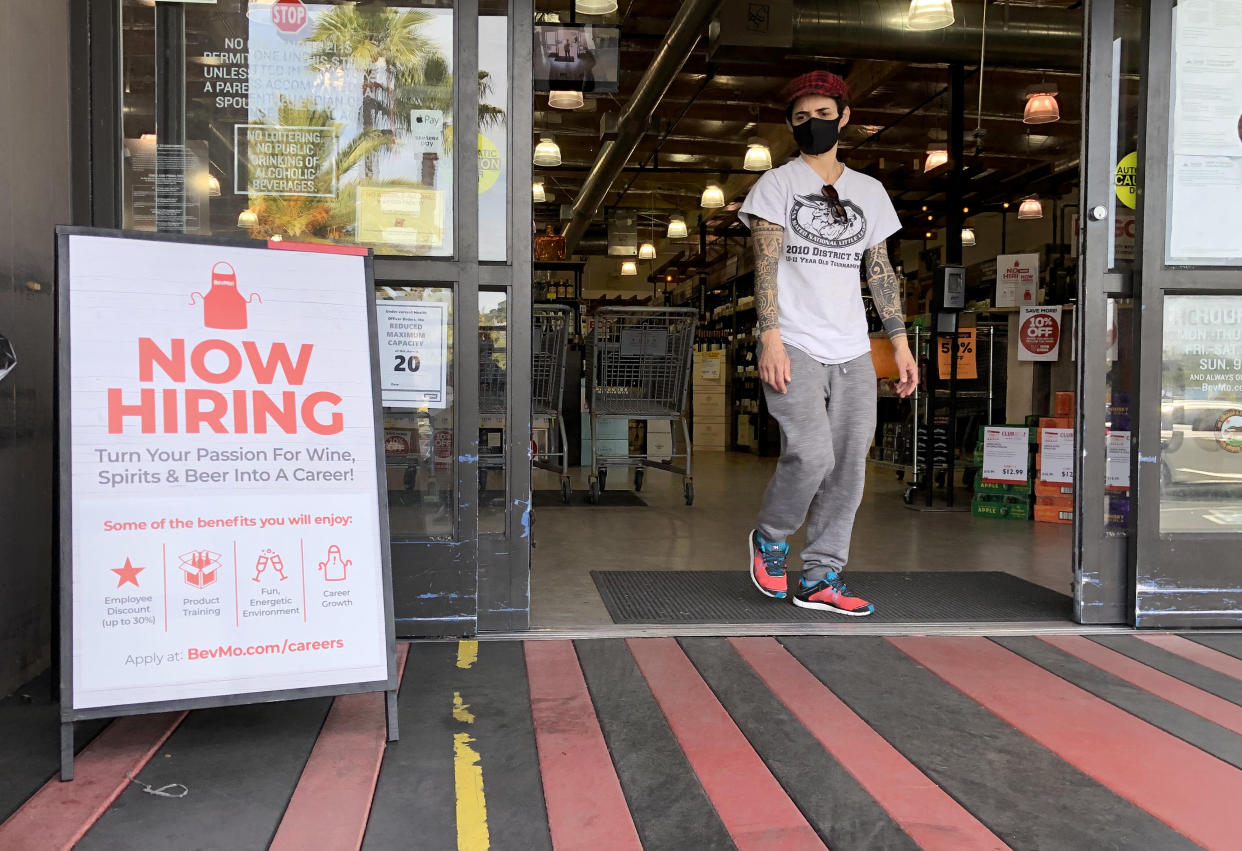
(59, 814)
(318, 247)
(751, 803)
(923, 810)
(586, 807)
(1222, 663)
(1191, 791)
(1188, 697)
(332, 801)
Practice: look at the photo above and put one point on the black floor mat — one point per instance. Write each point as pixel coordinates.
(727, 596)
(608, 499)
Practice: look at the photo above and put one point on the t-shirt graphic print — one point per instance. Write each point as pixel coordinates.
(819, 276)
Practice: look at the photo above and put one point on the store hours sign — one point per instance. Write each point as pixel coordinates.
(226, 538)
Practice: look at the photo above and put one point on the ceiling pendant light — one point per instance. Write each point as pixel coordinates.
(677, 226)
(929, 15)
(646, 251)
(936, 157)
(1041, 107)
(1031, 209)
(547, 153)
(758, 156)
(539, 195)
(561, 99)
(629, 269)
(248, 219)
(713, 197)
(213, 186)
(968, 236)
(596, 7)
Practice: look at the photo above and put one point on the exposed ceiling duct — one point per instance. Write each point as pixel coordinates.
(684, 32)
(1020, 36)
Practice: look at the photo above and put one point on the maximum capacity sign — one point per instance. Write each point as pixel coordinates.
(225, 537)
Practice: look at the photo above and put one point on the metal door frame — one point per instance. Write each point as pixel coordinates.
(487, 575)
(1168, 603)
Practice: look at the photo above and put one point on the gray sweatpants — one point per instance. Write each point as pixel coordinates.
(827, 417)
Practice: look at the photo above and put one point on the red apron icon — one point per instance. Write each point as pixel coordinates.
(224, 306)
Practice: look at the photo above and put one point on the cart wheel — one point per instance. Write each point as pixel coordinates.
(689, 492)
(901, 475)
(567, 491)
(908, 496)
(603, 479)
(639, 474)
(593, 493)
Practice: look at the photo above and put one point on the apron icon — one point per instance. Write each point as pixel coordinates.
(334, 567)
(224, 306)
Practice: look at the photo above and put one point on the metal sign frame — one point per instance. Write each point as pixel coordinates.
(68, 713)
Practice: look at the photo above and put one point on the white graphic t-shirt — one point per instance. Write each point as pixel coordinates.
(818, 278)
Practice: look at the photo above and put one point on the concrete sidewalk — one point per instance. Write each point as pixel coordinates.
(1064, 741)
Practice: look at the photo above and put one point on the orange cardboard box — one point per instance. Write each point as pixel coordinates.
(1064, 405)
(1059, 502)
(1049, 514)
(1053, 489)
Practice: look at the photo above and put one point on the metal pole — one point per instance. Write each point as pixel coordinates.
(955, 219)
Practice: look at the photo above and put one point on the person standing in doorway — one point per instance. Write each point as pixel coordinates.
(814, 224)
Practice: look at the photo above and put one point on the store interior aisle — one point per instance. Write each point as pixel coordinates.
(710, 535)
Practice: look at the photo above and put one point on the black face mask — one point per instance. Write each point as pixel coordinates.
(817, 136)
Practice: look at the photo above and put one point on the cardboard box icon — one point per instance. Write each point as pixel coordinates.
(200, 568)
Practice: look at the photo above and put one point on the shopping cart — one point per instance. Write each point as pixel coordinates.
(549, 341)
(639, 369)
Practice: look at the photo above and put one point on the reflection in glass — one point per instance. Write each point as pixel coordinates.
(1201, 415)
(421, 466)
(493, 130)
(493, 407)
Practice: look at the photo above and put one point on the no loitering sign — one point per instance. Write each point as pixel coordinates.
(226, 536)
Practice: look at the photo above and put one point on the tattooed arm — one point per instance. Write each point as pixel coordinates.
(886, 292)
(774, 366)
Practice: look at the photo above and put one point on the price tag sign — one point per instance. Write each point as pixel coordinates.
(1057, 452)
(1118, 462)
(1006, 459)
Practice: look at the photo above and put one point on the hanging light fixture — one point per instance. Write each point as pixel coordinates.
(547, 153)
(936, 157)
(758, 156)
(213, 186)
(248, 219)
(968, 236)
(1041, 106)
(1031, 209)
(561, 99)
(629, 269)
(596, 7)
(677, 226)
(539, 195)
(713, 197)
(646, 251)
(928, 15)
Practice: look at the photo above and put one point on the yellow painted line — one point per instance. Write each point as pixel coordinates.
(467, 653)
(472, 832)
(461, 709)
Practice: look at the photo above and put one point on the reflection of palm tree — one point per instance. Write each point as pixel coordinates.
(384, 45)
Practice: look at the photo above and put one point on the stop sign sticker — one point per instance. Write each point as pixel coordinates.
(1039, 334)
(291, 19)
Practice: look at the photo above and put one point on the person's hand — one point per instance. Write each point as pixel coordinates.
(774, 366)
(907, 367)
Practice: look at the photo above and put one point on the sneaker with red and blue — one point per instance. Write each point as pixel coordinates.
(767, 566)
(830, 594)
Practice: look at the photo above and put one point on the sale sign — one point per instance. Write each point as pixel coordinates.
(1039, 334)
(967, 359)
(226, 528)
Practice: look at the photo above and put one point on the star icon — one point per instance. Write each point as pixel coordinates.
(128, 573)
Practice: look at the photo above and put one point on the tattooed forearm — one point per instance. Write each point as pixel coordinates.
(885, 290)
(768, 239)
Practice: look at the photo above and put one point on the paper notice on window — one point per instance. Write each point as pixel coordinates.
(1118, 462)
(1006, 455)
(1057, 456)
(1206, 173)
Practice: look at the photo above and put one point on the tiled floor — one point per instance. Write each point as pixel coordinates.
(1059, 742)
(710, 535)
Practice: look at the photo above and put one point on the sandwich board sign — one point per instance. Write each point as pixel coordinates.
(224, 528)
